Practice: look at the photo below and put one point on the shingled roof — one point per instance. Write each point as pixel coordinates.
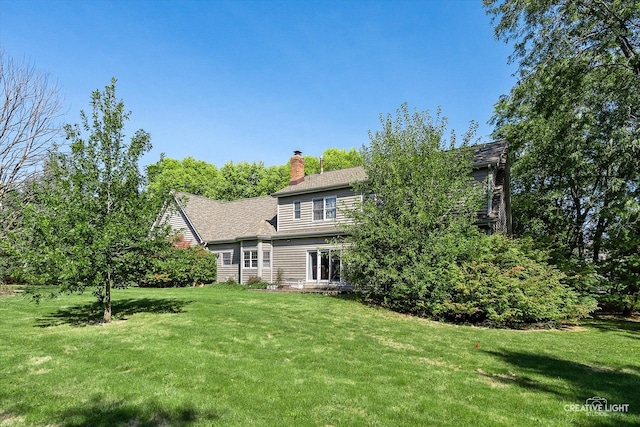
(226, 221)
(490, 153)
(324, 181)
(486, 154)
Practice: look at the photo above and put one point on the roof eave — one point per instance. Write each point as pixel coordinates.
(296, 192)
(302, 235)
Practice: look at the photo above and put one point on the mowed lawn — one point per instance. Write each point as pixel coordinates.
(227, 356)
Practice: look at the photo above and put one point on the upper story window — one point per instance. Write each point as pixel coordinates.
(296, 210)
(324, 208)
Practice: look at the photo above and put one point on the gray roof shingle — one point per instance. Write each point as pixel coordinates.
(324, 181)
(220, 221)
(489, 153)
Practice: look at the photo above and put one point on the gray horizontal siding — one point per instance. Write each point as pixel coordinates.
(226, 272)
(345, 199)
(178, 223)
(290, 257)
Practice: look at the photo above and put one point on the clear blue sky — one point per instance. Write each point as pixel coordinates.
(255, 80)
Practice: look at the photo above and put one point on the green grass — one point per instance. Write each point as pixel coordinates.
(226, 356)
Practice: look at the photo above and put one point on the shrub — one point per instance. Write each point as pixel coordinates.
(511, 284)
(177, 266)
(504, 283)
(255, 282)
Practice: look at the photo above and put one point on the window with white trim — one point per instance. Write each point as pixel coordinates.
(296, 210)
(250, 259)
(324, 208)
(324, 265)
(266, 259)
(226, 258)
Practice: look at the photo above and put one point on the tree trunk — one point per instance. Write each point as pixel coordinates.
(107, 299)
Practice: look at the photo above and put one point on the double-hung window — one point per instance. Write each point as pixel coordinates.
(296, 210)
(250, 259)
(226, 258)
(266, 259)
(324, 208)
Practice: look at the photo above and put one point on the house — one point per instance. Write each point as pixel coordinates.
(285, 237)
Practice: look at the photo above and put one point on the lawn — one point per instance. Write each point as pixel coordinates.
(227, 356)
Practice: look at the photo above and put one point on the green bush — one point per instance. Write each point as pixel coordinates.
(503, 283)
(255, 282)
(177, 267)
(511, 284)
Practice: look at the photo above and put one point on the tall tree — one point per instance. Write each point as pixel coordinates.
(188, 175)
(237, 180)
(91, 219)
(29, 109)
(333, 159)
(572, 119)
(413, 244)
(417, 220)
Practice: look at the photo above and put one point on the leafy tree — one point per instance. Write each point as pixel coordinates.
(416, 224)
(572, 121)
(187, 175)
(243, 180)
(414, 246)
(92, 222)
(334, 159)
(237, 180)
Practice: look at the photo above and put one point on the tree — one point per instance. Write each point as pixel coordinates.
(92, 221)
(417, 220)
(30, 107)
(237, 180)
(187, 175)
(572, 120)
(414, 246)
(334, 159)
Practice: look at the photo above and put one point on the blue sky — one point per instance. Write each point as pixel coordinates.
(255, 80)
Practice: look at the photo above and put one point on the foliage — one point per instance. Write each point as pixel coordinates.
(237, 180)
(178, 267)
(416, 223)
(255, 282)
(572, 122)
(187, 175)
(243, 180)
(510, 283)
(91, 220)
(333, 159)
(621, 267)
(414, 246)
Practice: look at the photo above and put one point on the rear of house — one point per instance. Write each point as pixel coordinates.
(289, 237)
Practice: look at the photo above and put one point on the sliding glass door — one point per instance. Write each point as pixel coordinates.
(324, 266)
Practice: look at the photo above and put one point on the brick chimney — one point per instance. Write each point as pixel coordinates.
(297, 168)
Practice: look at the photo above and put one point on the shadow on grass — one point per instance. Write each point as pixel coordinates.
(99, 413)
(91, 314)
(620, 326)
(584, 382)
